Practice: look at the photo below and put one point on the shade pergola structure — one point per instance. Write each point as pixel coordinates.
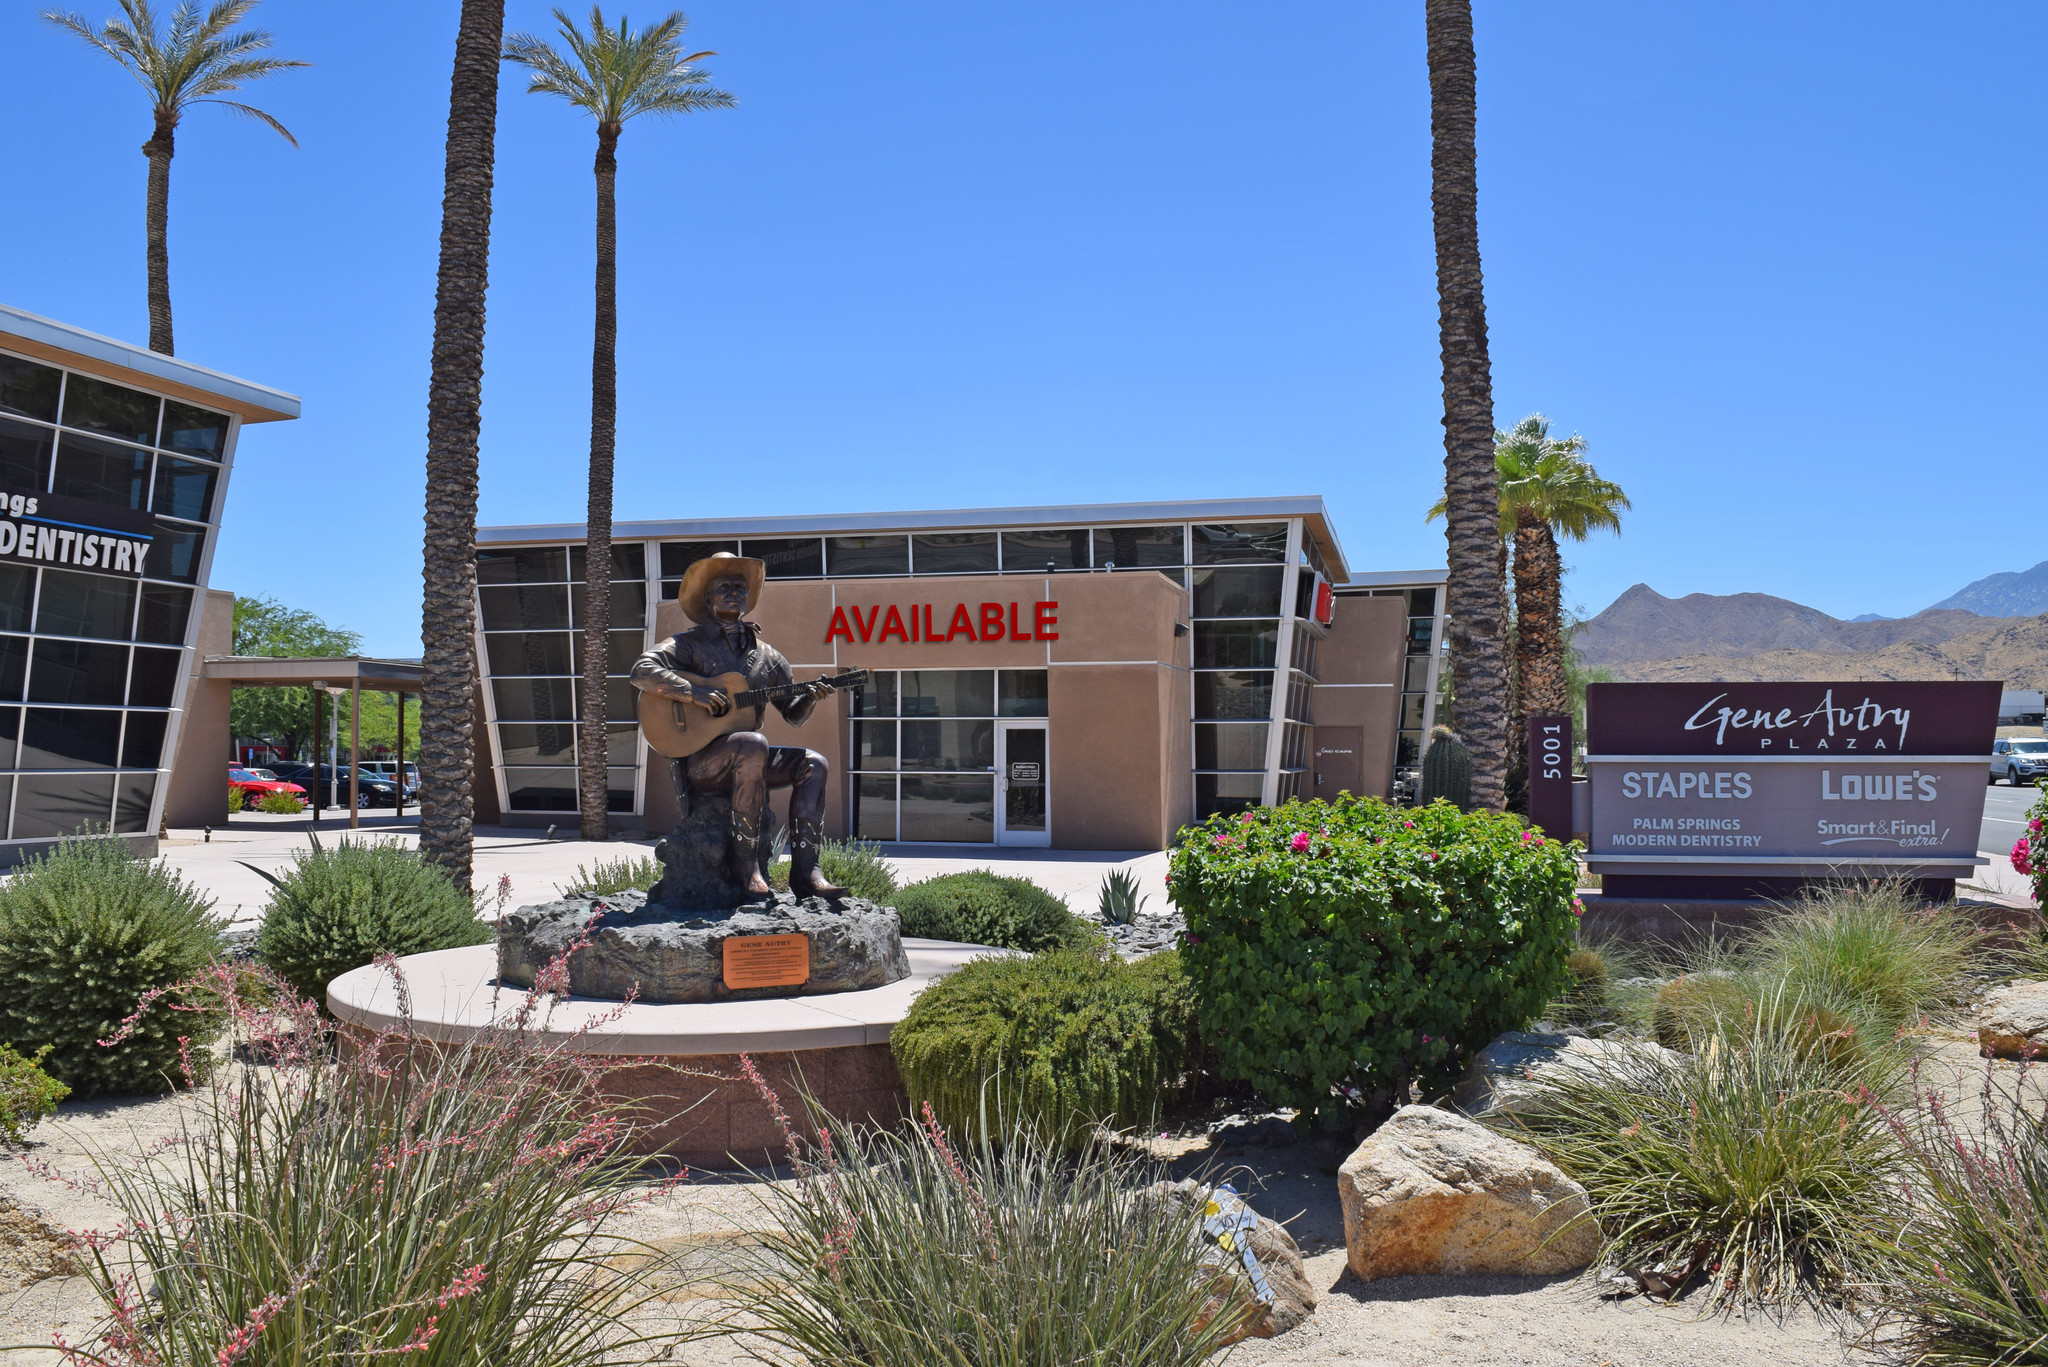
(329, 674)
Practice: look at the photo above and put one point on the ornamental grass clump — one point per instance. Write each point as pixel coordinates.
(387, 1201)
(915, 1248)
(978, 907)
(338, 909)
(605, 876)
(1874, 948)
(1350, 946)
(87, 933)
(1756, 1170)
(1061, 1041)
(856, 865)
(281, 804)
(1965, 1279)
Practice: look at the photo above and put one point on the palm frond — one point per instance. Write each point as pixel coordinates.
(192, 59)
(250, 111)
(614, 73)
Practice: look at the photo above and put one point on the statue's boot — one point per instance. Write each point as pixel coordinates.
(743, 857)
(807, 841)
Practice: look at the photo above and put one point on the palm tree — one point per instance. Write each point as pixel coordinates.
(1475, 601)
(195, 63)
(613, 75)
(454, 399)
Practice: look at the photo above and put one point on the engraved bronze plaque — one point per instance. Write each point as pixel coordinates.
(767, 961)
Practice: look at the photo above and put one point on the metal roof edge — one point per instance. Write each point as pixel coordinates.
(33, 327)
(1387, 579)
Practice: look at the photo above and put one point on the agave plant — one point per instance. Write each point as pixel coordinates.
(1119, 900)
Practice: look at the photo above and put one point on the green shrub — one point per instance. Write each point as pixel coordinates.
(856, 865)
(334, 910)
(613, 875)
(281, 804)
(27, 1093)
(979, 907)
(1873, 950)
(1058, 1041)
(86, 932)
(905, 1248)
(1352, 944)
(238, 799)
(1757, 1167)
(1118, 901)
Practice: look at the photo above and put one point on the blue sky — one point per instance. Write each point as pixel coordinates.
(1780, 264)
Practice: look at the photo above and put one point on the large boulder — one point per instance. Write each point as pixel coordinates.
(1510, 1074)
(2012, 1022)
(32, 1247)
(1224, 1215)
(1434, 1192)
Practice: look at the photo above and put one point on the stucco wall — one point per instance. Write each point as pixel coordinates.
(198, 793)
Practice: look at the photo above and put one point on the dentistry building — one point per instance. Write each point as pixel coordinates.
(1089, 676)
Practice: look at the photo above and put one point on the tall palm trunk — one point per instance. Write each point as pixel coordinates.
(1539, 620)
(157, 228)
(454, 399)
(1473, 597)
(597, 564)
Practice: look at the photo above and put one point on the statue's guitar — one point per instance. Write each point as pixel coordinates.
(679, 729)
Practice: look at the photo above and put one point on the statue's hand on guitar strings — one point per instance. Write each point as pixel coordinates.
(712, 700)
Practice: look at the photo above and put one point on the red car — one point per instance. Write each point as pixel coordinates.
(256, 785)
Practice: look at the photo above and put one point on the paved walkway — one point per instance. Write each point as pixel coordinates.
(539, 866)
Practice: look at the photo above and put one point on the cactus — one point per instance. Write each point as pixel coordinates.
(1447, 771)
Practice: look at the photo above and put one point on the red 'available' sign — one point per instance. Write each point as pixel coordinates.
(880, 622)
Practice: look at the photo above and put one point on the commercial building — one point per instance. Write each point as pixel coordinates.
(1088, 677)
(114, 465)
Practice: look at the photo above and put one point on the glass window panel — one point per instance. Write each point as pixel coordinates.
(1236, 645)
(24, 457)
(1130, 548)
(70, 738)
(184, 488)
(534, 699)
(554, 744)
(114, 410)
(621, 700)
(142, 745)
(29, 389)
(948, 808)
(949, 692)
(164, 610)
(102, 472)
(954, 553)
(1225, 793)
(153, 678)
(1420, 629)
(629, 561)
(523, 565)
(677, 556)
(1409, 753)
(799, 557)
(619, 785)
(1239, 695)
(74, 604)
(47, 806)
(629, 603)
(948, 745)
(13, 667)
(848, 555)
(622, 745)
(878, 699)
(194, 429)
(1239, 543)
(1038, 551)
(527, 652)
(81, 672)
(874, 807)
(624, 652)
(17, 596)
(131, 803)
(1411, 709)
(525, 608)
(10, 737)
(1249, 592)
(175, 552)
(874, 745)
(1021, 693)
(541, 790)
(1415, 676)
(1422, 602)
(1231, 745)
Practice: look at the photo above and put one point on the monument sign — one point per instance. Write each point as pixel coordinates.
(1736, 789)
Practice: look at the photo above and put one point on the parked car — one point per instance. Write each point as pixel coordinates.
(385, 768)
(372, 790)
(257, 782)
(2019, 760)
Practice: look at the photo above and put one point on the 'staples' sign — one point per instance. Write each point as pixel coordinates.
(907, 622)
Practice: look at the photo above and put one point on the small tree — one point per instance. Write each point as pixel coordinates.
(264, 626)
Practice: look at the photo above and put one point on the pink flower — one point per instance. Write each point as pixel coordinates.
(1578, 907)
(2035, 825)
(1300, 841)
(2022, 857)
(1246, 818)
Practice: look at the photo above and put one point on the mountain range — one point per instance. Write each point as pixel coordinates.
(2012, 594)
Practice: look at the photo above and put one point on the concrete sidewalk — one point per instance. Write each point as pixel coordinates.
(538, 866)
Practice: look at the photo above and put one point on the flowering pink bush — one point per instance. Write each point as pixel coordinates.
(2024, 852)
(2021, 857)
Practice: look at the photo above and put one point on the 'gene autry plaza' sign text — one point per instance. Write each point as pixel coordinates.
(1771, 782)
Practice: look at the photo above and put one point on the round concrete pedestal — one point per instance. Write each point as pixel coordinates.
(690, 1099)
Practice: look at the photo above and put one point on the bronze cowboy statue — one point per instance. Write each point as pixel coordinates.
(703, 693)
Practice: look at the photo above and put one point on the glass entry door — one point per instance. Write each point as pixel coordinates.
(1021, 784)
